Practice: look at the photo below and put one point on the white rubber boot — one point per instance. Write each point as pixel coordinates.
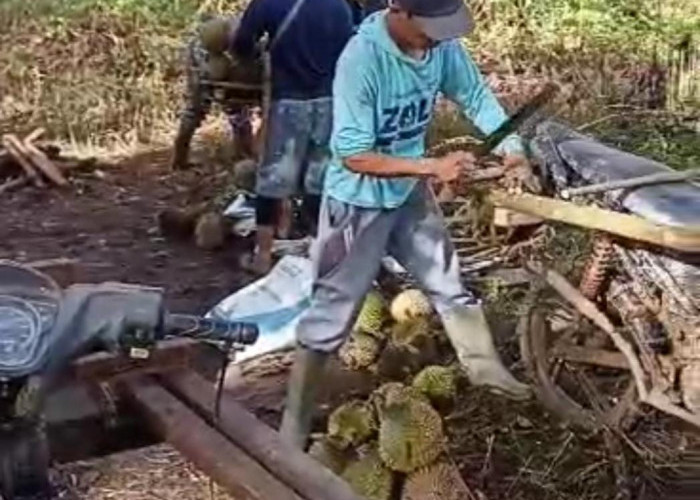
(471, 337)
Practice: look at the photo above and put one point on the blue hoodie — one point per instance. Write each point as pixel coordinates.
(383, 102)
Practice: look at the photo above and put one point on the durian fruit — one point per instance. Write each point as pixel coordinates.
(411, 304)
(439, 481)
(392, 392)
(219, 67)
(245, 174)
(214, 34)
(369, 477)
(410, 332)
(373, 315)
(398, 362)
(359, 351)
(410, 347)
(411, 434)
(210, 231)
(326, 452)
(438, 384)
(351, 424)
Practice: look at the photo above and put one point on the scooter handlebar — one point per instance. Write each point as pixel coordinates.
(185, 325)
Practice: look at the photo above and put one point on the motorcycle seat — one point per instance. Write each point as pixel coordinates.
(673, 204)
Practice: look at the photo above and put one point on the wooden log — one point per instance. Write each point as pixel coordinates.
(504, 217)
(13, 183)
(34, 135)
(294, 467)
(46, 166)
(16, 150)
(684, 239)
(223, 461)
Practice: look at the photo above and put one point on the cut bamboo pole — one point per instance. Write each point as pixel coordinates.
(684, 239)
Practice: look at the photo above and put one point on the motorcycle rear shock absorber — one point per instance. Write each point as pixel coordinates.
(597, 267)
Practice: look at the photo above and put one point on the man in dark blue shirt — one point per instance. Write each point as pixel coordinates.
(306, 38)
(363, 8)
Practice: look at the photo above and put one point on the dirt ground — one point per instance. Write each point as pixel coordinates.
(107, 220)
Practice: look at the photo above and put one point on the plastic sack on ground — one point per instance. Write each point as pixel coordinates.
(275, 303)
(242, 211)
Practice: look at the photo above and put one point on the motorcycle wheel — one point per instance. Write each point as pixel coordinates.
(24, 465)
(579, 375)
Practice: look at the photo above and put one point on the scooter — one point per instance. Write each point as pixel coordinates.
(43, 328)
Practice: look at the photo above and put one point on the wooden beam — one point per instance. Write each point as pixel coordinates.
(13, 183)
(209, 450)
(42, 162)
(592, 217)
(16, 150)
(504, 217)
(294, 467)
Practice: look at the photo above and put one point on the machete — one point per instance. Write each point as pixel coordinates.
(512, 124)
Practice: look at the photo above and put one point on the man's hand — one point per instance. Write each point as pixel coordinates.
(519, 174)
(449, 167)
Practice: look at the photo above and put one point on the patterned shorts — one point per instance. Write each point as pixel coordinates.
(296, 148)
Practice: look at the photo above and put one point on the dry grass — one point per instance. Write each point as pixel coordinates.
(106, 75)
(158, 473)
(100, 76)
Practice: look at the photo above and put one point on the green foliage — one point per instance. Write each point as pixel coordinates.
(635, 28)
(109, 72)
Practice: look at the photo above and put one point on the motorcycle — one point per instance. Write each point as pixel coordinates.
(43, 328)
(628, 332)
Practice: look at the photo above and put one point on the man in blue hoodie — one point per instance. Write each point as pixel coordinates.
(377, 198)
(306, 38)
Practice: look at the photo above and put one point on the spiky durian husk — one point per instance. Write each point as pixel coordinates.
(351, 424)
(359, 351)
(213, 35)
(369, 477)
(439, 481)
(410, 332)
(410, 432)
(410, 304)
(438, 384)
(373, 315)
(219, 67)
(327, 453)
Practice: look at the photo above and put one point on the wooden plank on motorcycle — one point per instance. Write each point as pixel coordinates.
(169, 355)
(208, 449)
(685, 239)
(504, 217)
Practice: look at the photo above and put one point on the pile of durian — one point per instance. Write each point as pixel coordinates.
(392, 444)
(393, 341)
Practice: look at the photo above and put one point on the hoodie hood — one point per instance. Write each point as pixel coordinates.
(374, 30)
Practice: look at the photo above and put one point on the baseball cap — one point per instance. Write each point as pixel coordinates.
(440, 19)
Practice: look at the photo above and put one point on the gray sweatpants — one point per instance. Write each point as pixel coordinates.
(347, 256)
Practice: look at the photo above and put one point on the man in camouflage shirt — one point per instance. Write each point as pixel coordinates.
(202, 91)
